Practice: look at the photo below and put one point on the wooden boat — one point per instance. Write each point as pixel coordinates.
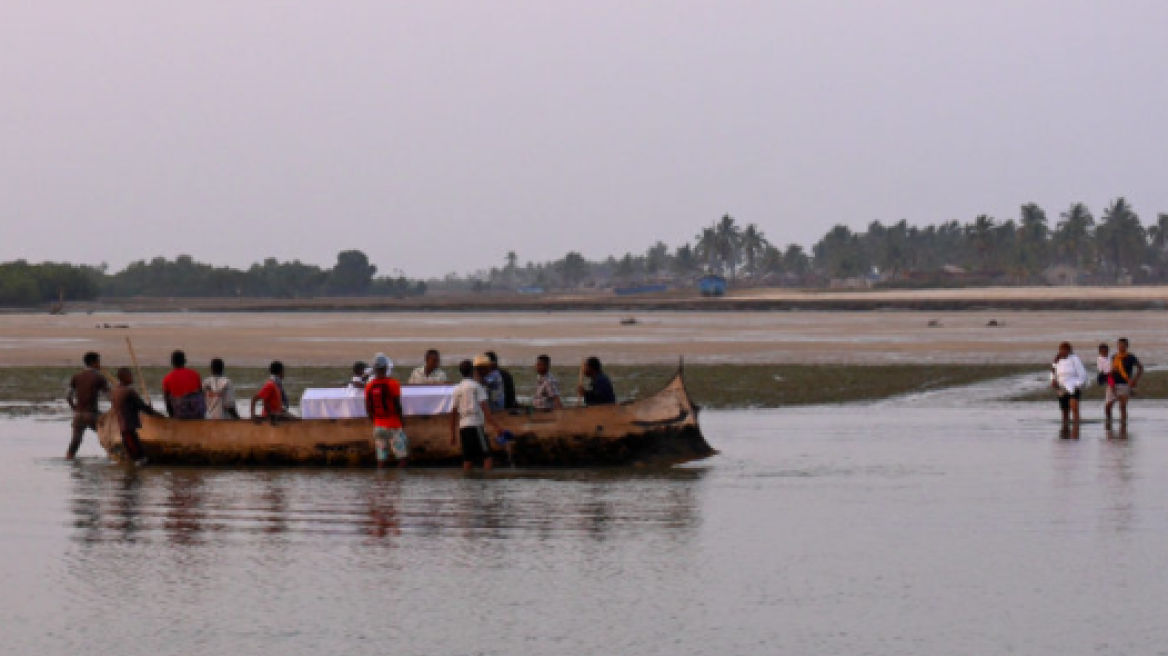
(661, 429)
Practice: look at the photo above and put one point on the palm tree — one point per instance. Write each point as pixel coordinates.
(684, 261)
(754, 245)
(795, 260)
(1032, 239)
(1121, 238)
(1158, 239)
(574, 268)
(706, 248)
(1072, 236)
(512, 264)
(981, 236)
(729, 243)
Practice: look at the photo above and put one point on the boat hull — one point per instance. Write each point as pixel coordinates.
(659, 430)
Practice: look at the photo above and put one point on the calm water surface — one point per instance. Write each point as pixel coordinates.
(939, 525)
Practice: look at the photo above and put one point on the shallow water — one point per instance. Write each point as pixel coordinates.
(941, 524)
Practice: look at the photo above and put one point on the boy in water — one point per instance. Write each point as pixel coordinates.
(1104, 378)
(127, 407)
(384, 408)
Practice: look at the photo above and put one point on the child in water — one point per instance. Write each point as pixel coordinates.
(1104, 377)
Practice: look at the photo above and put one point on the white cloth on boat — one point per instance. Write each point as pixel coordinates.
(1070, 373)
(341, 403)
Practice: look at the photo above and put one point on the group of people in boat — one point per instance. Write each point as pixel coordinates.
(1117, 373)
(485, 390)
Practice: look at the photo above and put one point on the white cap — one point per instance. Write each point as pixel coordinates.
(381, 361)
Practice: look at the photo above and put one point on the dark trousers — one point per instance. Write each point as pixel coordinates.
(132, 445)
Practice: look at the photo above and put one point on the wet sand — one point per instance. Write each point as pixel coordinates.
(335, 339)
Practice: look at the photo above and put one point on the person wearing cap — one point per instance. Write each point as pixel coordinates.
(384, 408)
(471, 414)
(429, 373)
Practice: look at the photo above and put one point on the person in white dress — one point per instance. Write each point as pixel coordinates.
(1068, 377)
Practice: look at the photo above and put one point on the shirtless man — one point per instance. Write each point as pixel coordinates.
(84, 389)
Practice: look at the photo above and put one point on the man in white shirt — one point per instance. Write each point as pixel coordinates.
(472, 411)
(1068, 377)
(429, 373)
(220, 393)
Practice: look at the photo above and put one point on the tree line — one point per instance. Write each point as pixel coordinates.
(25, 284)
(1115, 247)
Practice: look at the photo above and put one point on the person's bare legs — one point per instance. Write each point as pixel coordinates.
(1123, 410)
(1075, 412)
(467, 465)
(488, 464)
(1107, 411)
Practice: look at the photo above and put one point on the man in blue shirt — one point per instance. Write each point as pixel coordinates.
(600, 390)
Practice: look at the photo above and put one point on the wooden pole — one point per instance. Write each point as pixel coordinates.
(138, 371)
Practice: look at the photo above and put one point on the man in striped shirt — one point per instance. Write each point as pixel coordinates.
(547, 388)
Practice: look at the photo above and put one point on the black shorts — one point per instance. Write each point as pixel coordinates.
(1065, 398)
(474, 444)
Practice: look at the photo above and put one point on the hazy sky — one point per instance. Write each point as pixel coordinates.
(438, 135)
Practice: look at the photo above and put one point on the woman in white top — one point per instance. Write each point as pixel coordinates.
(1068, 378)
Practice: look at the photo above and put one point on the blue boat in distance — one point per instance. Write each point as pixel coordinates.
(712, 284)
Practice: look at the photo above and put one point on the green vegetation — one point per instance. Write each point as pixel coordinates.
(23, 284)
(985, 251)
(716, 386)
(1117, 248)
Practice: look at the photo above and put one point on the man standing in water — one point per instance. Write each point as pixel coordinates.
(84, 388)
(472, 411)
(1068, 378)
(1126, 371)
(127, 407)
(384, 408)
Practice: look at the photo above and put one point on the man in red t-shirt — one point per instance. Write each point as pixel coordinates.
(384, 408)
(182, 389)
(272, 395)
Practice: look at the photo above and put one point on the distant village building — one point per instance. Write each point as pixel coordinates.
(864, 282)
(1061, 275)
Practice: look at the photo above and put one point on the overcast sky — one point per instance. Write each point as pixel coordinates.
(438, 135)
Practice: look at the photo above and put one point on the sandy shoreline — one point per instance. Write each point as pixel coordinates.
(335, 339)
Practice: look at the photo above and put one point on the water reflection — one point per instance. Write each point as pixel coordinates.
(191, 507)
(1117, 478)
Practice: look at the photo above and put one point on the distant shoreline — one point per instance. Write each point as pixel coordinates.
(1084, 299)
